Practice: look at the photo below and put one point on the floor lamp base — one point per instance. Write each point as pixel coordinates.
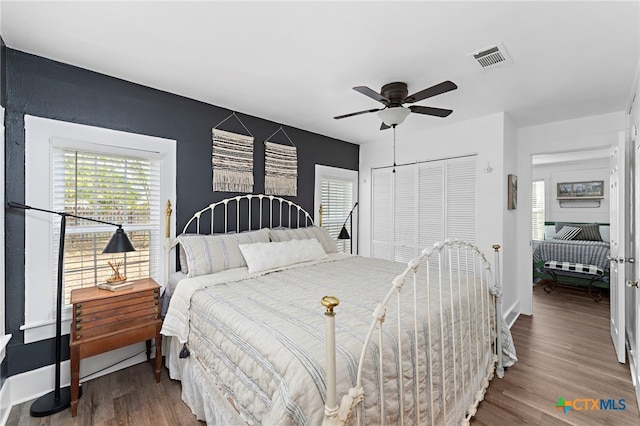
(47, 404)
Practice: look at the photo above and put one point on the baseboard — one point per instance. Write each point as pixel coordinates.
(512, 313)
(32, 384)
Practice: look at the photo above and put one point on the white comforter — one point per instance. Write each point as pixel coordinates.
(260, 337)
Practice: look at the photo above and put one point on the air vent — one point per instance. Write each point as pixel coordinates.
(493, 56)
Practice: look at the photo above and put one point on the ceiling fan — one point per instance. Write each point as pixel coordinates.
(394, 95)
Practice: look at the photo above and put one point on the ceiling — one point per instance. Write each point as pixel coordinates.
(295, 63)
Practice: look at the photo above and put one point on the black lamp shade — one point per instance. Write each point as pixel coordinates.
(344, 234)
(119, 243)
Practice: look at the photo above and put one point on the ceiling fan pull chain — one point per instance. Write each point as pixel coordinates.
(394, 148)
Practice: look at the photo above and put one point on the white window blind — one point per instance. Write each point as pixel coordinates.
(537, 210)
(337, 201)
(421, 204)
(113, 188)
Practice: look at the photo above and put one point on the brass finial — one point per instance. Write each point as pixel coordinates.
(330, 302)
(320, 211)
(496, 247)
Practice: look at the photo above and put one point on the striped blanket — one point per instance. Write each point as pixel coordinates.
(261, 340)
(574, 251)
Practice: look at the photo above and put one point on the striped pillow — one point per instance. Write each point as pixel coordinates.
(567, 233)
(590, 232)
(317, 232)
(206, 254)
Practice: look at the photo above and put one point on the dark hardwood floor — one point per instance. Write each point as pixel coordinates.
(564, 350)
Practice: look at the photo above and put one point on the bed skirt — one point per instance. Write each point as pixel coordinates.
(202, 396)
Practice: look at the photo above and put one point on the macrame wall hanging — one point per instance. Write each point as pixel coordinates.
(232, 159)
(280, 167)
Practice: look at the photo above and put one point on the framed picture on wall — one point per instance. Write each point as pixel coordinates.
(512, 195)
(588, 189)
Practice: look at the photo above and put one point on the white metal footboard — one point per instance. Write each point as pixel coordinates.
(461, 269)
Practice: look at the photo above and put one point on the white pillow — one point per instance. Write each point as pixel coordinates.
(265, 256)
(317, 232)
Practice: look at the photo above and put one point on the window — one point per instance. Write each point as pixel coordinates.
(537, 210)
(121, 177)
(113, 188)
(336, 191)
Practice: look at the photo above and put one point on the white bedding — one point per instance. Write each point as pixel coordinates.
(278, 378)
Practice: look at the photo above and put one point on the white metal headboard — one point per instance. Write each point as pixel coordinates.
(270, 210)
(239, 211)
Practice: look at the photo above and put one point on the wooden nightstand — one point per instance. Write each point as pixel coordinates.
(104, 320)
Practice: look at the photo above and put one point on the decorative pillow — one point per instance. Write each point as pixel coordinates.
(589, 231)
(317, 232)
(567, 233)
(206, 254)
(264, 256)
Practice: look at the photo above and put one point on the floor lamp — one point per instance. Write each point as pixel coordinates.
(344, 235)
(60, 399)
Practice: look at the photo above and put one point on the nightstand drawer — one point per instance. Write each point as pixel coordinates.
(99, 317)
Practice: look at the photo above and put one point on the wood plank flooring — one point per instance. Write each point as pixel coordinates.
(129, 397)
(564, 350)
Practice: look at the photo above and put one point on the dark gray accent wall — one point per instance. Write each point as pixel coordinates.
(45, 88)
(3, 51)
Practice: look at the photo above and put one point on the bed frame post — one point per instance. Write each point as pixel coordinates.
(167, 242)
(498, 294)
(330, 406)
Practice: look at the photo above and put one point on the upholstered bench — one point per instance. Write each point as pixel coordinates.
(590, 272)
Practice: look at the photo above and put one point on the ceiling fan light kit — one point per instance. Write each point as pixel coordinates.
(394, 115)
(394, 95)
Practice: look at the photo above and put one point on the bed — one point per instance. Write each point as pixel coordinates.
(572, 245)
(326, 337)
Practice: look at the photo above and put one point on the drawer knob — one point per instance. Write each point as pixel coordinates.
(78, 320)
(79, 306)
(78, 327)
(156, 291)
(155, 302)
(78, 335)
(78, 312)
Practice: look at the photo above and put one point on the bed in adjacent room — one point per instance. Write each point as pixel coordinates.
(252, 343)
(575, 254)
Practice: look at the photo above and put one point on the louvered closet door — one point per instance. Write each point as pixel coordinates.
(421, 204)
(405, 239)
(461, 199)
(431, 206)
(381, 214)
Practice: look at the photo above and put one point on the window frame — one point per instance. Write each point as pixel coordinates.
(336, 173)
(41, 134)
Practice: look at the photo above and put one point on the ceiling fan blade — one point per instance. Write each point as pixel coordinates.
(372, 94)
(438, 112)
(384, 126)
(356, 113)
(445, 86)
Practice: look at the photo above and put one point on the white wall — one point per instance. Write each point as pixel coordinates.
(485, 137)
(585, 133)
(569, 211)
